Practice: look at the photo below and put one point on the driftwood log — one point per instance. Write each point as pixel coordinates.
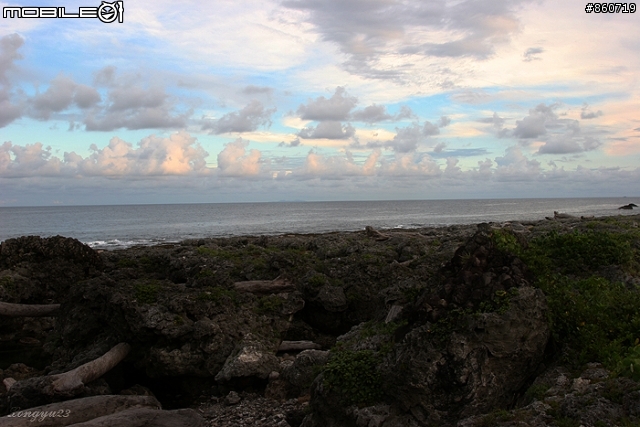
(144, 417)
(265, 286)
(8, 382)
(50, 388)
(28, 310)
(76, 411)
(372, 232)
(78, 377)
(298, 346)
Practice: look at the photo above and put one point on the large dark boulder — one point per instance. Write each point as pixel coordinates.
(467, 346)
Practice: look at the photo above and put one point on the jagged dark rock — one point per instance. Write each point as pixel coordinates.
(469, 345)
(447, 326)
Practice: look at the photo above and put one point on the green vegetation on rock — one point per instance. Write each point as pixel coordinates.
(147, 292)
(269, 304)
(354, 375)
(592, 318)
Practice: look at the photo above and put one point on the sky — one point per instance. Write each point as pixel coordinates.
(260, 101)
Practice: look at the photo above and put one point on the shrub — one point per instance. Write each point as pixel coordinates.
(146, 292)
(354, 375)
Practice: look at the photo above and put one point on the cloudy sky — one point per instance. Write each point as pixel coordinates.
(266, 100)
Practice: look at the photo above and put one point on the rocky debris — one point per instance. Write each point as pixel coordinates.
(295, 376)
(591, 399)
(254, 411)
(250, 359)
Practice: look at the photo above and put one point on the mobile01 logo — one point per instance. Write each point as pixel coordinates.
(106, 12)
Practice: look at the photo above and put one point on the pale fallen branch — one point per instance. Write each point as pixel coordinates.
(559, 215)
(8, 382)
(78, 377)
(143, 417)
(28, 310)
(77, 411)
(38, 391)
(264, 286)
(372, 232)
(298, 346)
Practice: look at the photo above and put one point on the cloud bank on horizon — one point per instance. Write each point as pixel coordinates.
(319, 100)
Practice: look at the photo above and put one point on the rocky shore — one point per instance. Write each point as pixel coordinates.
(511, 324)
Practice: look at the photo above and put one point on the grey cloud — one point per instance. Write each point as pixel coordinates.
(131, 97)
(295, 143)
(444, 121)
(9, 46)
(8, 111)
(406, 139)
(58, 97)
(429, 129)
(86, 97)
(564, 144)
(459, 152)
(472, 97)
(366, 30)
(560, 146)
(105, 76)
(328, 130)
(530, 54)
(591, 143)
(536, 123)
(142, 118)
(248, 119)
(585, 114)
(469, 46)
(439, 147)
(372, 114)
(257, 90)
(61, 93)
(133, 107)
(495, 120)
(336, 108)
(378, 113)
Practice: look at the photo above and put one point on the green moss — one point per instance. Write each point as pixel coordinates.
(127, 263)
(629, 366)
(506, 242)
(535, 392)
(317, 280)
(227, 254)
(269, 304)
(8, 284)
(147, 292)
(491, 419)
(411, 294)
(354, 375)
(499, 303)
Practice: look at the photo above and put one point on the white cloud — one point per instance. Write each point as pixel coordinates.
(235, 161)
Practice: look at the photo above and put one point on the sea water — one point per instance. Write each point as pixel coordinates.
(112, 227)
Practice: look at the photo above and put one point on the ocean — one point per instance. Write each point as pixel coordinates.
(116, 227)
